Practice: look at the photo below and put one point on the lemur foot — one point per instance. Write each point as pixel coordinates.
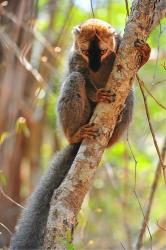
(104, 95)
(89, 131)
(144, 50)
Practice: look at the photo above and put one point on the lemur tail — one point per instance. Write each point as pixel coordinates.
(31, 226)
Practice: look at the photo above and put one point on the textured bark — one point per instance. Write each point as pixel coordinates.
(67, 199)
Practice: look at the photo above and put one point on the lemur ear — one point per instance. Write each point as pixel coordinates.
(76, 30)
(111, 30)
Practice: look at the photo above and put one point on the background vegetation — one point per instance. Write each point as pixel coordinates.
(35, 37)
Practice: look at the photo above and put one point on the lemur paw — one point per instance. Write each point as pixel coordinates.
(144, 50)
(104, 95)
(89, 131)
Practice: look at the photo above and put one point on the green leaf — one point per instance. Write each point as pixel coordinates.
(4, 136)
(3, 179)
(21, 126)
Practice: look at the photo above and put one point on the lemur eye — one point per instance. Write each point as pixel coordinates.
(103, 51)
(84, 52)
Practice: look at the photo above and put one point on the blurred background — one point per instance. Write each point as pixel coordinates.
(35, 40)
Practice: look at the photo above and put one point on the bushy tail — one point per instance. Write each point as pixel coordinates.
(31, 226)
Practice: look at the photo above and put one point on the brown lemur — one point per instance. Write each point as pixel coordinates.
(90, 63)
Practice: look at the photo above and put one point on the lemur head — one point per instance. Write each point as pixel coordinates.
(94, 40)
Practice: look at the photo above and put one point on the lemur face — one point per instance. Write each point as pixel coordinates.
(94, 40)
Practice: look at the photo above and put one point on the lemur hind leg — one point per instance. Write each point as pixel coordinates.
(74, 109)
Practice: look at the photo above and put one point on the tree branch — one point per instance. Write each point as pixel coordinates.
(151, 198)
(159, 13)
(151, 129)
(67, 199)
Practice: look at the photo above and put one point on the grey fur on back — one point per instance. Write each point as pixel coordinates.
(31, 226)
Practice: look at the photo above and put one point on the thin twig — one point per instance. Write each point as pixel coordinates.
(151, 128)
(122, 245)
(151, 198)
(158, 49)
(162, 228)
(135, 193)
(121, 200)
(159, 82)
(27, 65)
(135, 162)
(6, 228)
(154, 98)
(146, 222)
(10, 199)
(127, 7)
(91, 4)
(34, 32)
